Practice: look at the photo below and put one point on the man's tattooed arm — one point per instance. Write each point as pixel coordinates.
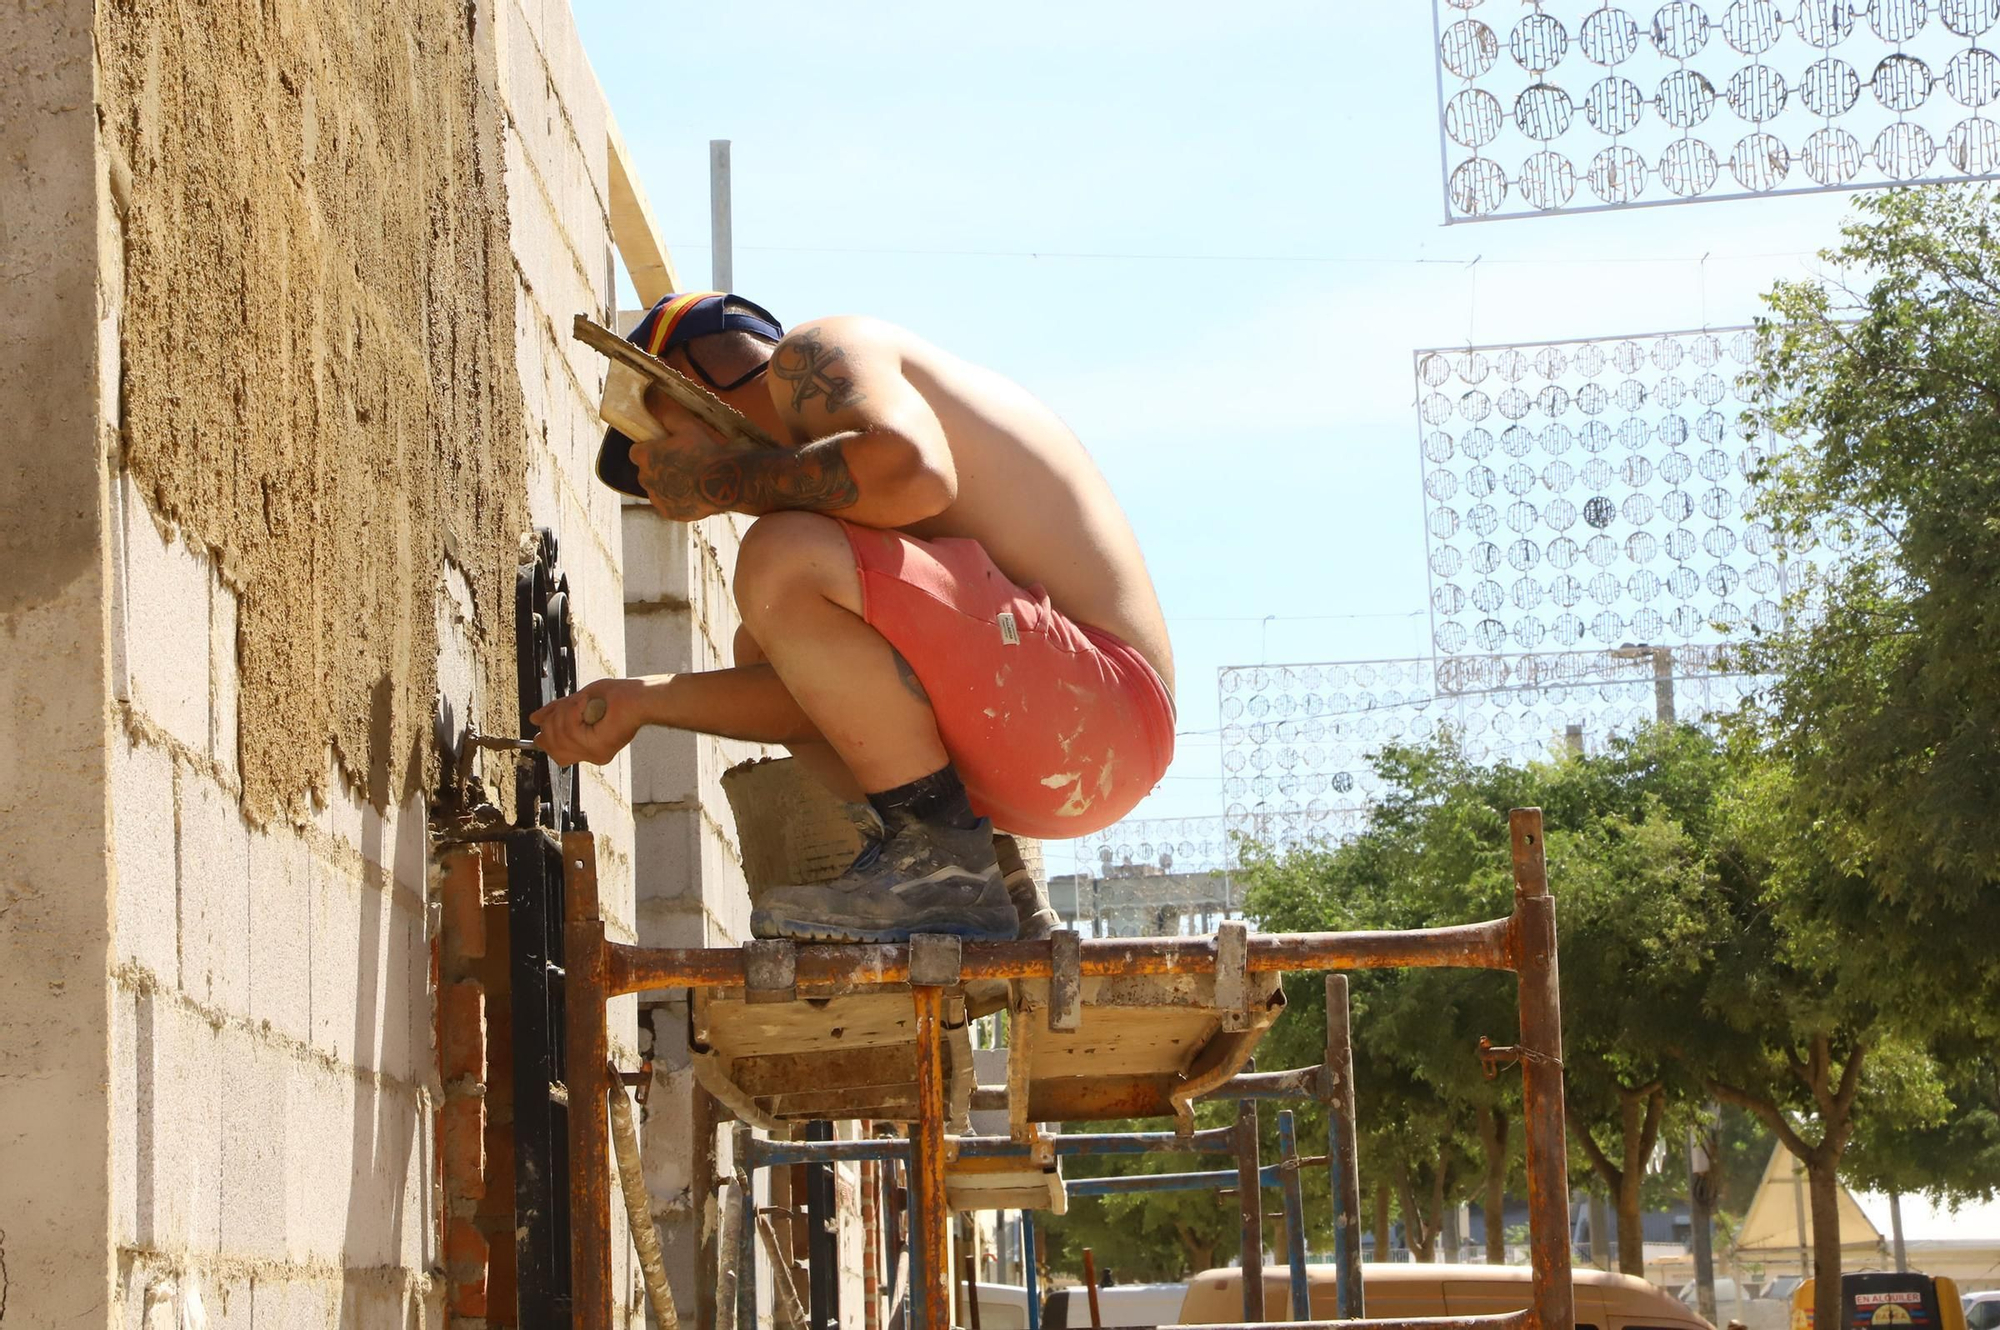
(816, 370)
(690, 485)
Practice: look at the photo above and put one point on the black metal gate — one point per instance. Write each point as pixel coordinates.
(546, 805)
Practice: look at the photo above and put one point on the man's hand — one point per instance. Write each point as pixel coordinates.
(568, 738)
(679, 472)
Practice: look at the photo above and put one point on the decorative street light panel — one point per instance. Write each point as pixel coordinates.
(1297, 739)
(1568, 106)
(1580, 494)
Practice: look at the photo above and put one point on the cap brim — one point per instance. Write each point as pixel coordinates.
(614, 465)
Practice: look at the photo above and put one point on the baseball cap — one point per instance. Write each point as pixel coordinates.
(674, 321)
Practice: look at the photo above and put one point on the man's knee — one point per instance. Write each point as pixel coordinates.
(789, 552)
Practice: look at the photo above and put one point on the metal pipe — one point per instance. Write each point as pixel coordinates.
(1250, 1205)
(733, 1209)
(1034, 1276)
(930, 1239)
(1298, 1083)
(822, 1237)
(1350, 1301)
(969, 1263)
(766, 1153)
(1541, 1075)
(639, 1207)
(1090, 1287)
(1221, 1179)
(871, 1249)
(1481, 946)
(586, 1056)
(1213, 1140)
(1295, 1214)
(1489, 1321)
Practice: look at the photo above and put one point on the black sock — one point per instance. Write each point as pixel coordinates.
(938, 798)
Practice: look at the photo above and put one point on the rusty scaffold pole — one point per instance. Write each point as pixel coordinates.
(1343, 1158)
(586, 1078)
(1534, 961)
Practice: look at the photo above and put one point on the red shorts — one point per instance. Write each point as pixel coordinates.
(1057, 730)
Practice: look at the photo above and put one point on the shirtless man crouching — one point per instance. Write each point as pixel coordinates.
(944, 609)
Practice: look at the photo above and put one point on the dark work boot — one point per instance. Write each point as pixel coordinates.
(1031, 903)
(921, 878)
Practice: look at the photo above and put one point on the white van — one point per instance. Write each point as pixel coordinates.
(1119, 1307)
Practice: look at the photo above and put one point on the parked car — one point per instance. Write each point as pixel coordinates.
(1125, 1306)
(1604, 1301)
(1982, 1309)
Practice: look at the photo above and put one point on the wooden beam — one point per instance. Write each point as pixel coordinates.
(634, 230)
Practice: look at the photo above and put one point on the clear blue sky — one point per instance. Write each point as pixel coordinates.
(1209, 235)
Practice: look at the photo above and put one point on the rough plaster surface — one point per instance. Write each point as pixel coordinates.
(318, 364)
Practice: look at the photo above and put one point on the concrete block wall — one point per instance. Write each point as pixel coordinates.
(272, 1080)
(680, 616)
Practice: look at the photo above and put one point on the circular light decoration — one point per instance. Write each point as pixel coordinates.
(1468, 48)
(1901, 82)
(1684, 99)
(1478, 186)
(1903, 150)
(1751, 27)
(1543, 112)
(1823, 23)
(1680, 30)
(1688, 168)
(1547, 180)
(1473, 118)
(1973, 77)
(1897, 20)
(1969, 18)
(1614, 105)
(1974, 146)
(1757, 93)
(1830, 88)
(1832, 156)
(1759, 162)
(1538, 43)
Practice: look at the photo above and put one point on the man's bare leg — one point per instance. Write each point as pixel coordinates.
(799, 595)
(816, 755)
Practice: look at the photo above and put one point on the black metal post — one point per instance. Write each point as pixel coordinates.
(822, 1237)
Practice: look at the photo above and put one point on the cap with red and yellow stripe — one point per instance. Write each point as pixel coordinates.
(675, 321)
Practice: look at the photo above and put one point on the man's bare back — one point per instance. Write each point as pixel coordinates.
(1027, 489)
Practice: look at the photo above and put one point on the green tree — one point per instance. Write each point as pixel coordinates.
(1141, 1236)
(1796, 1023)
(1625, 852)
(1865, 855)
(1887, 703)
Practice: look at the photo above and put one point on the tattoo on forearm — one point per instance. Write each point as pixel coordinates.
(814, 369)
(814, 478)
(909, 678)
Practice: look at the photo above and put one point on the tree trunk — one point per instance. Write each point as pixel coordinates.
(1493, 1131)
(1631, 1226)
(1416, 1230)
(1381, 1221)
(1823, 1193)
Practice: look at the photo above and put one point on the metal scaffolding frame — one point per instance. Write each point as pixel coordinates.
(1523, 942)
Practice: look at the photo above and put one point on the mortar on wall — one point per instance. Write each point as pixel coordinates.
(793, 830)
